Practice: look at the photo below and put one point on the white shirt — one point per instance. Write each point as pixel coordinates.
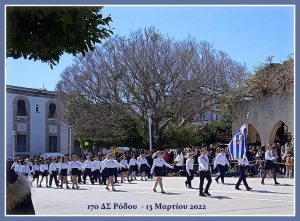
(203, 163)
(96, 165)
(189, 164)
(81, 165)
(133, 162)
(124, 163)
(221, 159)
(159, 162)
(18, 168)
(243, 161)
(143, 161)
(44, 167)
(13, 165)
(111, 164)
(88, 164)
(179, 159)
(269, 155)
(25, 169)
(57, 165)
(63, 166)
(35, 168)
(52, 167)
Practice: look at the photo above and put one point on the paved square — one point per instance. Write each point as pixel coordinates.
(225, 200)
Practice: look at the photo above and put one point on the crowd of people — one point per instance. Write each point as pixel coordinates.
(129, 166)
(102, 168)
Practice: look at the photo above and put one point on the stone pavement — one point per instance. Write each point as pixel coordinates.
(138, 198)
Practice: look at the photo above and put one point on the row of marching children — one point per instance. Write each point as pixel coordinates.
(102, 170)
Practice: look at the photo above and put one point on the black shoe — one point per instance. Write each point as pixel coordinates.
(237, 188)
(163, 192)
(114, 189)
(154, 190)
(249, 188)
(202, 194)
(217, 180)
(68, 187)
(207, 193)
(262, 182)
(277, 183)
(107, 188)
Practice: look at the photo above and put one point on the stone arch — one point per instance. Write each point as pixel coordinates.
(279, 133)
(253, 136)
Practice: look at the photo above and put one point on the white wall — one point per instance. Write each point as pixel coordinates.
(9, 124)
(64, 142)
(37, 125)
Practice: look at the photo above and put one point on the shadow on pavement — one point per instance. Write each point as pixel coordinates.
(266, 191)
(168, 193)
(220, 197)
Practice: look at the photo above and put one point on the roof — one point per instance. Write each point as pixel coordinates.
(30, 91)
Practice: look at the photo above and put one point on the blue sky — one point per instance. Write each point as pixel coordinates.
(247, 34)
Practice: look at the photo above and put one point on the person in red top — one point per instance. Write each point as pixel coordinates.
(166, 156)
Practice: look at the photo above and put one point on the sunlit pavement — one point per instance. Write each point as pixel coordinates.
(138, 198)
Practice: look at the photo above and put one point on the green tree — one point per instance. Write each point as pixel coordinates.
(45, 33)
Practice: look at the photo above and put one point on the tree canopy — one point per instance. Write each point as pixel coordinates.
(45, 33)
(272, 79)
(147, 70)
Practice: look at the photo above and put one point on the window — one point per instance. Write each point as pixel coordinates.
(52, 143)
(21, 143)
(52, 110)
(21, 108)
(37, 108)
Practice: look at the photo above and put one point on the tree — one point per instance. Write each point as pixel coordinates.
(45, 33)
(175, 79)
(272, 79)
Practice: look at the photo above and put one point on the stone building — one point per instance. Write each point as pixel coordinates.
(31, 121)
(271, 120)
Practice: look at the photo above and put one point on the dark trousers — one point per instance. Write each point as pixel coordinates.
(204, 175)
(96, 176)
(242, 177)
(79, 176)
(266, 172)
(53, 176)
(104, 176)
(116, 174)
(189, 179)
(148, 172)
(88, 172)
(221, 169)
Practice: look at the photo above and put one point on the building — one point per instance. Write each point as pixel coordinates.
(208, 116)
(271, 120)
(32, 123)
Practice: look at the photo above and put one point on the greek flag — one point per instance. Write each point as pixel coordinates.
(237, 146)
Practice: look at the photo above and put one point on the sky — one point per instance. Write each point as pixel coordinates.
(249, 34)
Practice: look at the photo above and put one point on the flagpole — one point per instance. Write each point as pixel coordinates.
(247, 117)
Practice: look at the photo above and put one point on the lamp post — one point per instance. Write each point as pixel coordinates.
(149, 114)
(14, 133)
(70, 140)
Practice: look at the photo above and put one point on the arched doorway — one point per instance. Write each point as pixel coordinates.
(280, 134)
(253, 137)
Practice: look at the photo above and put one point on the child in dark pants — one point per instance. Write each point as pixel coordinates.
(204, 173)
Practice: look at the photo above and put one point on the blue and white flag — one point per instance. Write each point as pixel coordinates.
(237, 146)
